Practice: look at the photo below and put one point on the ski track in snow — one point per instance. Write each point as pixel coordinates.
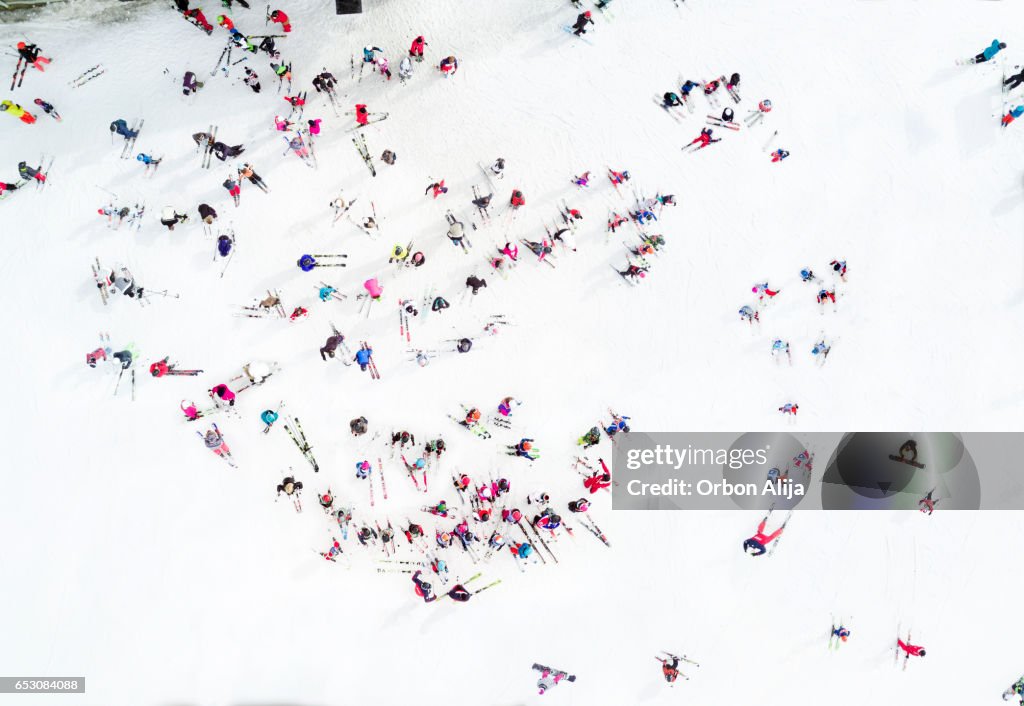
(139, 560)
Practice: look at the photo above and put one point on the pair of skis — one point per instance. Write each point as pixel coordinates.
(206, 145)
(299, 437)
(87, 75)
(359, 140)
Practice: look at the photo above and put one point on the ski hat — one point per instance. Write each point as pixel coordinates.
(587, 13)
(420, 463)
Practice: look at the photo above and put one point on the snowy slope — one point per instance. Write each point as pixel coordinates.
(138, 560)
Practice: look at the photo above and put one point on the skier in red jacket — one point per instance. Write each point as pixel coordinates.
(757, 545)
(362, 114)
(278, 16)
(598, 481)
(910, 650)
(416, 50)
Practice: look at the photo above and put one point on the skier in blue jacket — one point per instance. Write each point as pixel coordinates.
(306, 263)
(363, 357)
(990, 51)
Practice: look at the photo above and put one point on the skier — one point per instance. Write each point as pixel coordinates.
(358, 426)
(207, 214)
(704, 139)
(1012, 115)
(28, 173)
(169, 217)
(448, 66)
(634, 271)
(687, 87)
(160, 368)
(670, 100)
(149, 161)
(246, 172)
(591, 438)
(120, 126)
(670, 668)
(839, 267)
(363, 469)
(779, 155)
(807, 275)
(790, 408)
(324, 82)
(370, 54)
(405, 69)
(214, 441)
(373, 288)
(362, 114)
(910, 650)
(384, 67)
(1013, 81)
(224, 244)
(990, 51)
(618, 424)
(580, 505)
(733, 83)
(1016, 689)
(548, 678)
(437, 188)
(31, 54)
(464, 345)
(524, 449)
(456, 232)
(222, 393)
(289, 486)
(233, 189)
(505, 406)
(223, 151)
(363, 358)
(757, 545)
(48, 109)
(598, 481)
(475, 283)
(423, 589)
(583, 180)
(580, 26)
(459, 593)
(498, 168)
(761, 289)
(618, 177)
(16, 111)
(313, 126)
(252, 80)
(928, 503)
(416, 50)
(225, 22)
(841, 632)
(826, 295)
(200, 19)
(278, 16)
(780, 347)
(821, 348)
(517, 199)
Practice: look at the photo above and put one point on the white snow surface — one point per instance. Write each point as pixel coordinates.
(133, 557)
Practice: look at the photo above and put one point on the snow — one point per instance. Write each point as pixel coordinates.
(137, 559)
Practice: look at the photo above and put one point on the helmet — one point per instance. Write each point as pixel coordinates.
(920, 653)
(21, 45)
(420, 463)
(625, 175)
(503, 484)
(139, 157)
(426, 587)
(278, 119)
(527, 446)
(587, 13)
